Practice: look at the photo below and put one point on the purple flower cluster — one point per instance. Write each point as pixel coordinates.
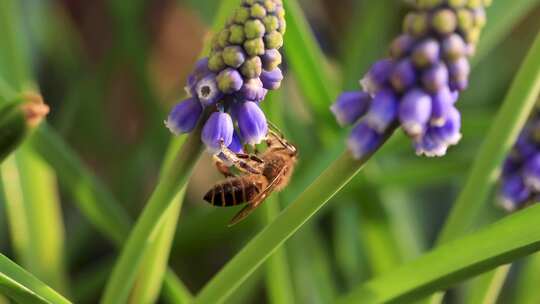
(520, 182)
(418, 85)
(243, 65)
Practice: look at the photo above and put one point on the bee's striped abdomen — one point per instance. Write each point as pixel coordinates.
(232, 192)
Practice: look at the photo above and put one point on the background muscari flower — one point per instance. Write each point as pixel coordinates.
(242, 66)
(520, 179)
(419, 84)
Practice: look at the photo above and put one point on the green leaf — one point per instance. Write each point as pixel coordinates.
(362, 45)
(374, 231)
(278, 279)
(509, 121)
(35, 218)
(96, 203)
(503, 242)
(13, 128)
(486, 288)
(173, 180)
(513, 114)
(174, 291)
(350, 257)
(150, 277)
(22, 287)
(308, 64)
(527, 291)
(502, 17)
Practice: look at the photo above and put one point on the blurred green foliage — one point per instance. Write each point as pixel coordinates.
(110, 70)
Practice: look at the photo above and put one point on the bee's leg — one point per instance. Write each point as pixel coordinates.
(222, 167)
(238, 162)
(252, 157)
(277, 141)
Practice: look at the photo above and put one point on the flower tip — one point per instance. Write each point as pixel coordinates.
(507, 204)
(184, 116)
(412, 128)
(362, 140)
(252, 123)
(217, 131)
(438, 122)
(170, 125)
(350, 106)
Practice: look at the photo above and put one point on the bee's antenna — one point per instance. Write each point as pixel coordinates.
(273, 129)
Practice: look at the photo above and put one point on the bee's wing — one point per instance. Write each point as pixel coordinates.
(257, 201)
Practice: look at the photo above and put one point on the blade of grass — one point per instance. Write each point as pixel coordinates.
(289, 221)
(14, 54)
(512, 116)
(170, 183)
(152, 271)
(150, 277)
(22, 287)
(38, 206)
(527, 291)
(174, 291)
(308, 64)
(504, 15)
(38, 210)
(310, 266)
(349, 253)
(374, 232)
(277, 275)
(507, 15)
(506, 126)
(486, 288)
(362, 44)
(500, 243)
(91, 196)
(34, 218)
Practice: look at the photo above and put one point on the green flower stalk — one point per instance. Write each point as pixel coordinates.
(18, 119)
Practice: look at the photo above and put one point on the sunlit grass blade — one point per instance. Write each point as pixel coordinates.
(350, 256)
(90, 195)
(363, 45)
(527, 291)
(502, 16)
(311, 267)
(277, 273)
(374, 232)
(308, 64)
(174, 291)
(289, 221)
(150, 277)
(170, 183)
(486, 288)
(505, 241)
(14, 54)
(22, 287)
(505, 128)
(35, 218)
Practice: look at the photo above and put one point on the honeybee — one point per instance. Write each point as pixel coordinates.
(260, 175)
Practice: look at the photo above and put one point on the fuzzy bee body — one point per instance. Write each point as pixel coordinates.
(264, 174)
(235, 191)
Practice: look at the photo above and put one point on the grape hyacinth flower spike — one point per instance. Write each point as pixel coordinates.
(229, 84)
(520, 180)
(418, 85)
